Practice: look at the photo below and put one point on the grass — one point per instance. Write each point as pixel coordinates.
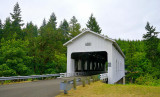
(14, 82)
(99, 89)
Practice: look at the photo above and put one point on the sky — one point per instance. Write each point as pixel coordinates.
(124, 19)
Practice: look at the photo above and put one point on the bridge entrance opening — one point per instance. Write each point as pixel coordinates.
(90, 62)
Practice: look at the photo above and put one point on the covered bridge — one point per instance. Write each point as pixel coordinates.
(89, 52)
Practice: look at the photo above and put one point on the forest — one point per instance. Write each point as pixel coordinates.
(26, 49)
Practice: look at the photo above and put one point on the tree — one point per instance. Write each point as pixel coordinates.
(1, 29)
(151, 43)
(52, 21)
(44, 23)
(13, 57)
(30, 31)
(17, 19)
(74, 27)
(64, 27)
(7, 29)
(130, 62)
(44, 49)
(57, 65)
(93, 25)
(1, 25)
(41, 30)
(6, 71)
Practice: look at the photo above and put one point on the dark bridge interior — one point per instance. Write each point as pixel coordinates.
(90, 62)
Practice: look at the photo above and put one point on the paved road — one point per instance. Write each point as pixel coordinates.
(44, 88)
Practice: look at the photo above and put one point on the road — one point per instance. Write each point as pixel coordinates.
(43, 88)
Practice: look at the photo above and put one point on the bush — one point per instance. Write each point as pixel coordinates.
(14, 59)
(147, 80)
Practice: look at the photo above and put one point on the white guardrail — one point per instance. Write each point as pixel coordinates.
(104, 76)
(71, 74)
(81, 74)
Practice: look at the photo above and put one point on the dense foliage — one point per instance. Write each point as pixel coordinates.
(142, 57)
(32, 50)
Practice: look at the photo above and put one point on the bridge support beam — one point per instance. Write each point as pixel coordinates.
(124, 81)
(88, 65)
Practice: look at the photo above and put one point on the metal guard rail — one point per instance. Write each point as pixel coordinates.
(27, 77)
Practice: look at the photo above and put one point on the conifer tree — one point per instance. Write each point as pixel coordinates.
(64, 27)
(1, 29)
(31, 30)
(7, 29)
(41, 30)
(16, 21)
(1, 25)
(52, 21)
(151, 42)
(74, 26)
(44, 23)
(93, 25)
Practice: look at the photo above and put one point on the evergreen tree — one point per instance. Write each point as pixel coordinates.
(151, 42)
(93, 25)
(44, 23)
(48, 44)
(130, 62)
(30, 31)
(74, 27)
(1, 25)
(52, 21)
(7, 29)
(1, 29)
(64, 27)
(17, 19)
(41, 30)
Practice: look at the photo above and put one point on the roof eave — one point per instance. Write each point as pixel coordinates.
(119, 49)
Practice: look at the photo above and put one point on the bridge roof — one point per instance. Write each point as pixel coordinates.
(104, 37)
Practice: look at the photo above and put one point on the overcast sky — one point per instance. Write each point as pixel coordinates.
(125, 19)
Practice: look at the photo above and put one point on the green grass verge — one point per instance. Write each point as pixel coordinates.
(99, 89)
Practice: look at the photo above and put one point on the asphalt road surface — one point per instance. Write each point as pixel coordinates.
(43, 88)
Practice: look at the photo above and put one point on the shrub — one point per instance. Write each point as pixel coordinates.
(147, 80)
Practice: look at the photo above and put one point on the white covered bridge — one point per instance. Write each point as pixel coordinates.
(89, 52)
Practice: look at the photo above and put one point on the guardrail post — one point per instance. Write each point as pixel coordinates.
(89, 81)
(74, 83)
(96, 77)
(65, 91)
(93, 79)
(83, 82)
(2, 82)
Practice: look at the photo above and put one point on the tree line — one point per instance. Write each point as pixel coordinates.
(142, 57)
(26, 50)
